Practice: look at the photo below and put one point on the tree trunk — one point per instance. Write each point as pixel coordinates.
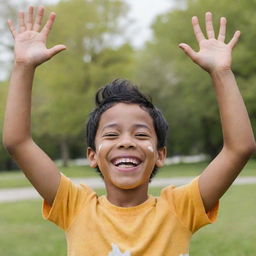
(64, 147)
(210, 147)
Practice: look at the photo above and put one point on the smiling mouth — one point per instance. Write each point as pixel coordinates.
(126, 162)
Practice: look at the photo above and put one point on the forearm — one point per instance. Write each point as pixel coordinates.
(236, 127)
(18, 108)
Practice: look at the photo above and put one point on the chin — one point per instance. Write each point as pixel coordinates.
(126, 184)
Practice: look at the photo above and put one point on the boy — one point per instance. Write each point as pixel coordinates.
(126, 142)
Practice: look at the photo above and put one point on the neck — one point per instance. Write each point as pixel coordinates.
(127, 197)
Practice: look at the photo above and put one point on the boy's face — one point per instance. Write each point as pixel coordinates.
(126, 146)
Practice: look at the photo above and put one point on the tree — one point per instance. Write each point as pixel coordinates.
(5, 161)
(186, 95)
(66, 85)
(8, 10)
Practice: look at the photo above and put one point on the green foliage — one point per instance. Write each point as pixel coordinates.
(181, 88)
(4, 158)
(63, 96)
(3, 94)
(64, 87)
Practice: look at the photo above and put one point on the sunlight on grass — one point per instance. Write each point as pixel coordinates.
(234, 233)
(17, 178)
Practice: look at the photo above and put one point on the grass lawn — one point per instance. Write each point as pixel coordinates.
(24, 233)
(17, 179)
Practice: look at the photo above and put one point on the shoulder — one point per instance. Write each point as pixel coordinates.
(183, 191)
(186, 201)
(67, 183)
(69, 201)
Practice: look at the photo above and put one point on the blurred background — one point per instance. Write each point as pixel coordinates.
(137, 40)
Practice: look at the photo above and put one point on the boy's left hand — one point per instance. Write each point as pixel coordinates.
(214, 54)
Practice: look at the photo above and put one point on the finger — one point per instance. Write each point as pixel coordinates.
(234, 40)
(12, 28)
(29, 24)
(222, 31)
(209, 26)
(188, 51)
(22, 26)
(197, 30)
(56, 49)
(39, 18)
(48, 26)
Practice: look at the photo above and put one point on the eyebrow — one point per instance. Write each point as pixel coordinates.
(142, 126)
(109, 126)
(139, 125)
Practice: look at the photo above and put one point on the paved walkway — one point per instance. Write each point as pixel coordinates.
(18, 194)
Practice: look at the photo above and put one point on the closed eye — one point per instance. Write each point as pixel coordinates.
(142, 135)
(110, 135)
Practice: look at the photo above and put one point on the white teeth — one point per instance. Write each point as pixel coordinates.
(126, 161)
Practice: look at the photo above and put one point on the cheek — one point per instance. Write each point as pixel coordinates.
(150, 148)
(102, 149)
(100, 145)
(99, 148)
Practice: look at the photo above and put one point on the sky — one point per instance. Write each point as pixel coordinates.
(143, 12)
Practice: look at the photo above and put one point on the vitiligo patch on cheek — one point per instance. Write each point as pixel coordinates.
(150, 148)
(100, 146)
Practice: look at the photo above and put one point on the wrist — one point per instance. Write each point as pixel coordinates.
(23, 66)
(221, 72)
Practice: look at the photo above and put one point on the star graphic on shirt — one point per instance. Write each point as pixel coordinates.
(116, 251)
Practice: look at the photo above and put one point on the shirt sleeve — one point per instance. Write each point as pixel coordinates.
(188, 205)
(68, 202)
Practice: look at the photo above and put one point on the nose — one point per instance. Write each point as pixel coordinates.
(126, 141)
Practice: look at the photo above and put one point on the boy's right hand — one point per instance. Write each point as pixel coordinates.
(30, 51)
(30, 40)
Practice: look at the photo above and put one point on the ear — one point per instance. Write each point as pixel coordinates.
(162, 152)
(91, 156)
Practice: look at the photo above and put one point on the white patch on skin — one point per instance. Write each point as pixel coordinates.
(100, 146)
(150, 148)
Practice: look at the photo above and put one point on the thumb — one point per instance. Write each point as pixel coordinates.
(188, 50)
(56, 49)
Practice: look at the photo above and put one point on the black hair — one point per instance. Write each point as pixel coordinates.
(123, 91)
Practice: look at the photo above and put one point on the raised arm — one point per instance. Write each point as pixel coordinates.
(214, 56)
(30, 51)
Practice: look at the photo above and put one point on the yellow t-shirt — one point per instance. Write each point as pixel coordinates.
(160, 226)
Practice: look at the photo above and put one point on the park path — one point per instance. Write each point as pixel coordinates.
(18, 194)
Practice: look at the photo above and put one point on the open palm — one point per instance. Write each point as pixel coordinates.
(214, 53)
(30, 41)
